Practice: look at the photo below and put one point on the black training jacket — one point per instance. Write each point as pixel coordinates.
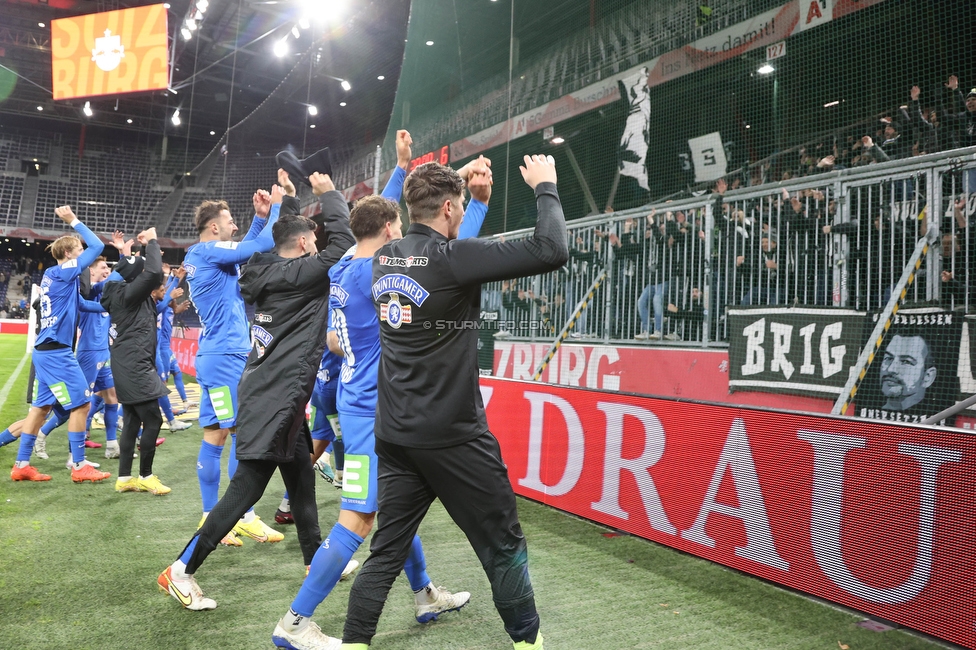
(427, 290)
(133, 312)
(291, 301)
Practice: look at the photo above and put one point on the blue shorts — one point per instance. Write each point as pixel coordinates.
(359, 471)
(166, 365)
(97, 367)
(324, 405)
(218, 376)
(59, 379)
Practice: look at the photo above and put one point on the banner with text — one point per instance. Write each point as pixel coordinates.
(872, 515)
(793, 350)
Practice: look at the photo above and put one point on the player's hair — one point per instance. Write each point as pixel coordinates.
(207, 212)
(100, 258)
(426, 189)
(290, 227)
(370, 215)
(61, 246)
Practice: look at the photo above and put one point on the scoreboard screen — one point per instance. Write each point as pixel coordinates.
(442, 156)
(110, 53)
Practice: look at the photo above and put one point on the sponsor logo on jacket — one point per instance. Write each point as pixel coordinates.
(403, 262)
(401, 284)
(394, 313)
(260, 339)
(262, 318)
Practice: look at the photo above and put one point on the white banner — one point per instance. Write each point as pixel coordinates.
(708, 154)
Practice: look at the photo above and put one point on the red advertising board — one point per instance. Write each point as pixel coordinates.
(877, 517)
(186, 354)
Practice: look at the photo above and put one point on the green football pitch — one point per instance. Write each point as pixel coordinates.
(78, 567)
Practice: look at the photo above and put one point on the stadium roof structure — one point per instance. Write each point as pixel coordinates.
(234, 43)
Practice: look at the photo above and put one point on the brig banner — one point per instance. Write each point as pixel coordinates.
(875, 516)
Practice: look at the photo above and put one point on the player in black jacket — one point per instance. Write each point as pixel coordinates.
(432, 438)
(289, 288)
(127, 297)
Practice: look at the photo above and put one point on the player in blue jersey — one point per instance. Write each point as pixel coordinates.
(59, 377)
(93, 357)
(165, 295)
(212, 268)
(95, 361)
(354, 335)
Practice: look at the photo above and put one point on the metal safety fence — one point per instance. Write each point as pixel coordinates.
(839, 239)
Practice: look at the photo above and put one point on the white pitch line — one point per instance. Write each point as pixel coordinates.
(7, 387)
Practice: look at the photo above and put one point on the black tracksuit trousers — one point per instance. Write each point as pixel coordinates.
(472, 482)
(247, 486)
(144, 415)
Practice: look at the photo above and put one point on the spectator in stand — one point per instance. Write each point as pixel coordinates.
(628, 263)
(924, 124)
(766, 269)
(963, 123)
(693, 315)
(583, 263)
(660, 270)
(959, 259)
(806, 216)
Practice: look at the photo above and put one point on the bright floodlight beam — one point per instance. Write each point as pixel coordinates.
(558, 140)
(346, 85)
(280, 48)
(176, 118)
(313, 110)
(766, 69)
(87, 110)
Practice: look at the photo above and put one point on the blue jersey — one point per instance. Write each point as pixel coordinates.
(164, 320)
(354, 320)
(211, 273)
(329, 366)
(60, 293)
(94, 326)
(474, 214)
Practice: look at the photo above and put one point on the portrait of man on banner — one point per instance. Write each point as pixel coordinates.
(914, 375)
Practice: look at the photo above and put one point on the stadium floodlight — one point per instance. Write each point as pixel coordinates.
(191, 24)
(187, 34)
(342, 103)
(430, 42)
(176, 118)
(202, 5)
(41, 25)
(213, 133)
(558, 140)
(304, 23)
(311, 126)
(345, 85)
(129, 121)
(766, 69)
(313, 110)
(40, 108)
(280, 48)
(294, 32)
(381, 77)
(87, 110)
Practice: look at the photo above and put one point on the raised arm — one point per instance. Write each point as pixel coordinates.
(394, 186)
(262, 208)
(312, 272)
(164, 303)
(95, 245)
(232, 252)
(478, 181)
(152, 275)
(476, 261)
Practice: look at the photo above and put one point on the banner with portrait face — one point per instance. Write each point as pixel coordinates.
(914, 375)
